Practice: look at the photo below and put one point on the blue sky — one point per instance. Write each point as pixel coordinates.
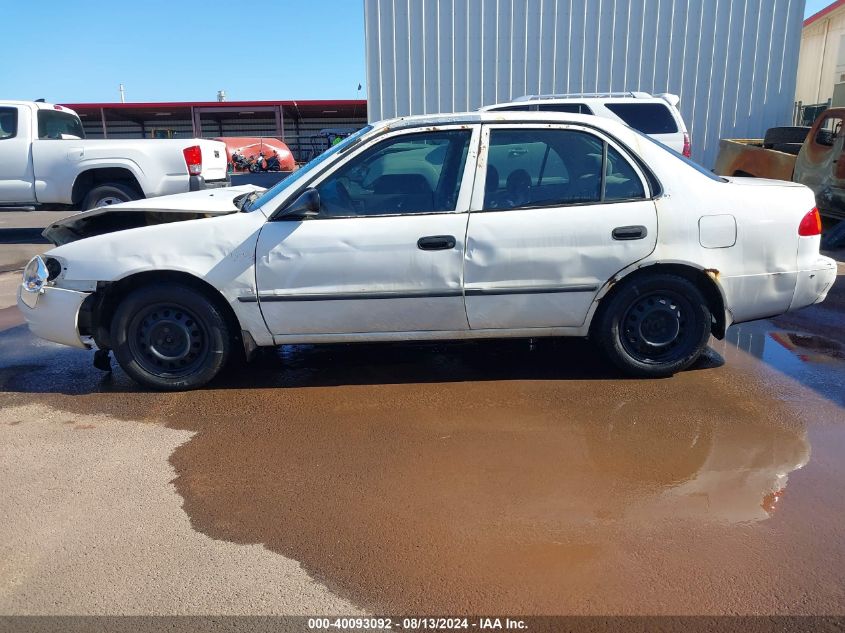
(80, 51)
(186, 51)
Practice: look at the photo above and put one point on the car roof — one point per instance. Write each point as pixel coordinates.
(495, 116)
(666, 98)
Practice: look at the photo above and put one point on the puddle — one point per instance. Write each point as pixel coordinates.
(813, 360)
(490, 477)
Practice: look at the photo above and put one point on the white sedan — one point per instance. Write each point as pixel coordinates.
(477, 225)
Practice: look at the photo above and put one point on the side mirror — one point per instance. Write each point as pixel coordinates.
(307, 205)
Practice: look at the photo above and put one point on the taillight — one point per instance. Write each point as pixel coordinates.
(193, 159)
(811, 224)
(687, 149)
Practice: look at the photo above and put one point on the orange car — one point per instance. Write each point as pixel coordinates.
(251, 147)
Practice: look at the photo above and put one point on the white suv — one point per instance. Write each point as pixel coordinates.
(655, 115)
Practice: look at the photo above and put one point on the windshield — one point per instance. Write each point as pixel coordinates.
(305, 170)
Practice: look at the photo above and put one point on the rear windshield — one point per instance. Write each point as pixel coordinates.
(53, 123)
(648, 118)
(571, 108)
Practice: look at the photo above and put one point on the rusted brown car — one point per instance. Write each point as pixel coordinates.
(814, 160)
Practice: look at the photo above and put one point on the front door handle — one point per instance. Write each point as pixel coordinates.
(436, 242)
(629, 232)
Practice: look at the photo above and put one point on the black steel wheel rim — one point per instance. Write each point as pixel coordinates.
(658, 327)
(168, 340)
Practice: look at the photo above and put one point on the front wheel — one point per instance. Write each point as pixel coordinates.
(654, 325)
(170, 337)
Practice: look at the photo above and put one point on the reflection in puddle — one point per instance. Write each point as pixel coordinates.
(813, 360)
(711, 469)
(810, 348)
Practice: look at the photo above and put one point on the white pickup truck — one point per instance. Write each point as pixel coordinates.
(45, 159)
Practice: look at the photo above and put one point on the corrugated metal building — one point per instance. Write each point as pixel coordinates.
(732, 62)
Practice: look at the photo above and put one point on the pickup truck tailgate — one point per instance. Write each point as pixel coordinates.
(214, 162)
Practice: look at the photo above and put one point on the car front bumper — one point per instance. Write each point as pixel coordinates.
(53, 314)
(813, 284)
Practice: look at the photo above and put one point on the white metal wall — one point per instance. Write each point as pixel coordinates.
(819, 65)
(733, 62)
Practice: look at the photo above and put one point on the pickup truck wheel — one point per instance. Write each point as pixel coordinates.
(105, 195)
(170, 337)
(654, 326)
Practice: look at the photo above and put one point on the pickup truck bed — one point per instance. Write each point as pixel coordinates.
(748, 157)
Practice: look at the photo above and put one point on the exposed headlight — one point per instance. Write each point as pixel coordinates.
(54, 268)
(35, 275)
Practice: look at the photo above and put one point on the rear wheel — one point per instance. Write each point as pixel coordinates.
(109, 194)
(170, 337)
(654, 325)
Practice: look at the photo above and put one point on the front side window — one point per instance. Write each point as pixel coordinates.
(648, 118)
(542, 168)
(8, 123)
(53, 123)
(411, 173)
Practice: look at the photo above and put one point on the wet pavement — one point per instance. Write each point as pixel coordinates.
(488, 477)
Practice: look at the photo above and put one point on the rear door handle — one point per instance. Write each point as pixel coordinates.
(629, 232)
(436, 242)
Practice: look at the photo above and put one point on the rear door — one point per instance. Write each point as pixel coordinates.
(550, 226)
(16, 175)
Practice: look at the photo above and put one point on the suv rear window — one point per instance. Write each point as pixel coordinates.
(52, 124)
(648, 118)
(571, 108)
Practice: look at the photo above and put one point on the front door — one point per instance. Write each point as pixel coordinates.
(556, 212)
(16, 177)
(385, 254)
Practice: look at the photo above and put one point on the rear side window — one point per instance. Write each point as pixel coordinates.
(53, 123)
(570, 108)
(548, 168)
(648, 118)
(8, 123)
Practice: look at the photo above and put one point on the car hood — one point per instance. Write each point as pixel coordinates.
(146, 212)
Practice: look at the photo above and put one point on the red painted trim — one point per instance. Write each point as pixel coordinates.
(325, 103)
(833, 6)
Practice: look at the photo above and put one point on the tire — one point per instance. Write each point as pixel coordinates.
(788, 148)
(779, 135)
(105, 195)
(170, 337)
(676, 319)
